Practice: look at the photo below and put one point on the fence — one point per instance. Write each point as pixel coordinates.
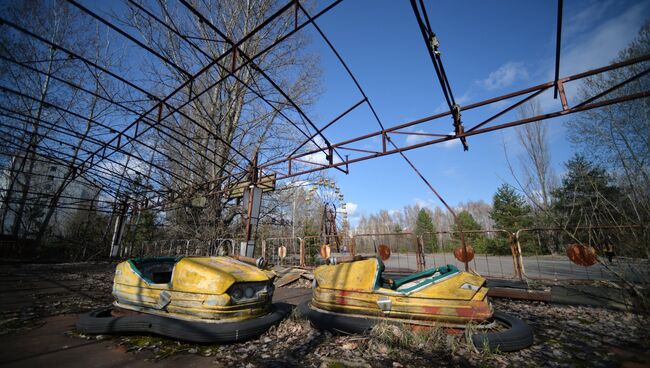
(180, 247)
(404, 249)
(292, 251)
(339, 245)
(493, 252)
(543, 253)
(534, 254)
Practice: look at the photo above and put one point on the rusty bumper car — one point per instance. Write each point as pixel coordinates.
(352, 295)
(198, 299)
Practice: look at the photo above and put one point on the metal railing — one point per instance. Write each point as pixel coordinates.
(533, 254)
(493, 251)
(620, 252)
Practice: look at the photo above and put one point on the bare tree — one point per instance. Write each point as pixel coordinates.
(617, 136)
(232, 111)
(537, 174)
(44, 104)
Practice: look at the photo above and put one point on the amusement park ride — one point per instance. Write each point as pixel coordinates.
(161, 290)
(326, 194)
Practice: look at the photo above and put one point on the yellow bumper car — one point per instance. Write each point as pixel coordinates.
(353, 295)
(199, 299)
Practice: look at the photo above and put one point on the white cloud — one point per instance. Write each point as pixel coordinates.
(412, 139)
(505, 76)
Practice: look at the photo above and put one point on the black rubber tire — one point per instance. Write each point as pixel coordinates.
(102, 322)
(518, 336)
(335, 321)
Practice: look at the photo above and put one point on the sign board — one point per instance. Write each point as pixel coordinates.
(266, 183)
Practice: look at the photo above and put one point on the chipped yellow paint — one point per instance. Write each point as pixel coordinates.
(350, 288)
(198, 290)
(358, 275)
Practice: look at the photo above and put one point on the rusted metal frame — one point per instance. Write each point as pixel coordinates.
(108, 72)
(422, 134)
(104, 144)
(62, 196)
(48, 158)
(269, 47)
(79, 208)
(432, 45)
(508, 109)
(613, 88)
(475, 132)
(211, 64)
(427, 33)
(244, 39)
(129, 37)
(312, 163)
(572, 110)
(231, 70)
(56, 128)
(341, 115)
(358, 150)
(559, 87)
(244, 56)
(101, 175)
(343, 63)
(94, 94)
(442, 200)
(475, 105)
(74, 55)
(70, 132)
(598, 227)
(40, 175)
(558, 44)
(384, 135)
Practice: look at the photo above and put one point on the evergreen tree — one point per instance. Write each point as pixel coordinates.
(424, 227)
(509, 212)
(586, 196)
(468, 223)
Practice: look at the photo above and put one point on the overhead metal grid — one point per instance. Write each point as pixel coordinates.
(112, 157)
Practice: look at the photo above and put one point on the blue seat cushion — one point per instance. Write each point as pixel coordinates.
(443, 270)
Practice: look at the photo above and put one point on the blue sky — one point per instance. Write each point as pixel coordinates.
(489, 49)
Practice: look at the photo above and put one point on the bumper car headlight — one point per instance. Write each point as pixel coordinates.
(247, 292)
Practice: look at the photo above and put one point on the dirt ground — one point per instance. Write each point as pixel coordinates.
(40, 303)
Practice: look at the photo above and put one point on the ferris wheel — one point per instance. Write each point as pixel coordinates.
(327, 194)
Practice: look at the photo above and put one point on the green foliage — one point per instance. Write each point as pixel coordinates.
(509, 209)
(424, 227)
(510, 212)
(586, 197)
(468, 223)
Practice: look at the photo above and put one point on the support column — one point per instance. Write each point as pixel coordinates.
(117, 232)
